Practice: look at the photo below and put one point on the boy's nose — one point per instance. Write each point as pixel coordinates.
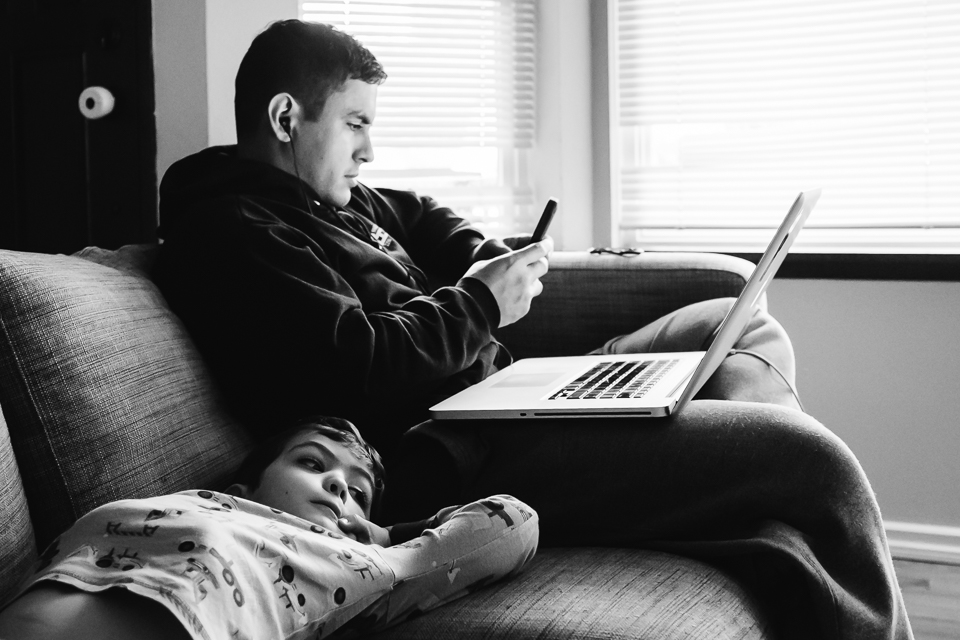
(337, 486)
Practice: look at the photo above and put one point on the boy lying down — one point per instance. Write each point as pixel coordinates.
(288, 551)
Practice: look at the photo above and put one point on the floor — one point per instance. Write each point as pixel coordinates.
(931, 592)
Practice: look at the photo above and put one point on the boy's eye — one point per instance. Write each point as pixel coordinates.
(360, 496)
(312, 463)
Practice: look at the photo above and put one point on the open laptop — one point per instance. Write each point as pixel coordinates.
(628, 385)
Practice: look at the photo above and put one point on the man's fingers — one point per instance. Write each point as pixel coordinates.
(533, 252)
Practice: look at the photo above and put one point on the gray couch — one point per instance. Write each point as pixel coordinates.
(104, 396)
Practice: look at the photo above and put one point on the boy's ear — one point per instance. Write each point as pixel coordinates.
(238, 490)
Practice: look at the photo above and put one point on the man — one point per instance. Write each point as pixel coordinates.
(309, 292)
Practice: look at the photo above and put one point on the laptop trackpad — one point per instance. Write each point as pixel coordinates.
(529, 379)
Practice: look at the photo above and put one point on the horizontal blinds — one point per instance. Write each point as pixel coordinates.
(455, 118)
(725, 109)
(461, 72)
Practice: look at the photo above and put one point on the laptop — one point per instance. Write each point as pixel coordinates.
(645, 385)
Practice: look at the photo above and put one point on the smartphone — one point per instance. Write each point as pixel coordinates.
(545, 219)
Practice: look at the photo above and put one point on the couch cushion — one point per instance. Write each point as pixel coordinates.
(588, 299)
(17, 549)
(104, 393)
(601, 594)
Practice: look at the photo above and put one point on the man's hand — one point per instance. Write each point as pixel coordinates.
(492, 247)
(362, 530)
(514, 278)
(522, 240)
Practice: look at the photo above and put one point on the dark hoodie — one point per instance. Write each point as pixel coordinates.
(300, 308)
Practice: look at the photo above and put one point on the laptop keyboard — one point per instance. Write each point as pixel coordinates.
(618, 379)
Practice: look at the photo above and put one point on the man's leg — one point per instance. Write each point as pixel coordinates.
(764, 491)
(751, 375)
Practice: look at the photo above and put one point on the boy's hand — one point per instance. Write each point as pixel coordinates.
(362, 530)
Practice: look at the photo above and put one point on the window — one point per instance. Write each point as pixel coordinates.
(455, 118)
(722, 110)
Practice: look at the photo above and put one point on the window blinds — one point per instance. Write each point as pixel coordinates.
(725, 109)
(455, 117)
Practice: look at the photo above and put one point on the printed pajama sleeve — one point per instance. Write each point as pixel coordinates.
(475, 545)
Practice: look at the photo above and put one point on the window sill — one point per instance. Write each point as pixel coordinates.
(860, 266)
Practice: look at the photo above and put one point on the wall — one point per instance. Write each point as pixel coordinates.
(179, 48)
(879, 364)
(197, 48)
(562, 158)
(230, 27)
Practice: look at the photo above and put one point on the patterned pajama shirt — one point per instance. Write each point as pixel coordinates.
(231, 568)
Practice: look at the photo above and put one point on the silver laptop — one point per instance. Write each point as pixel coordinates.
(634, 385)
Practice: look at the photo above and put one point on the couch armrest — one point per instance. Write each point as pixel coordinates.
(588, 299)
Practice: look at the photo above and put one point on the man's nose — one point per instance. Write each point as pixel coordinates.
(365, 152)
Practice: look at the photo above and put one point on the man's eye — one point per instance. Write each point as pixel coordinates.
(355, 126)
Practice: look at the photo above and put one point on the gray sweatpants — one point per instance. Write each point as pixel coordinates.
(740, 477)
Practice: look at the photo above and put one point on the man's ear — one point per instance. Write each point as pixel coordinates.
(238, 490)
(283, 111)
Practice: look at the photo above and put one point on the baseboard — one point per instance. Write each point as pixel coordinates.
(923, 542)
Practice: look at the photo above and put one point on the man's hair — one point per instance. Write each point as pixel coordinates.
(308, 60)
(339, 430)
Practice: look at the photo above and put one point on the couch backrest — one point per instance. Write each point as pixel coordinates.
(103, 392)
(17, 547)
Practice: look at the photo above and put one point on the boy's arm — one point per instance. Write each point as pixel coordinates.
(405, 531)
(362, 530)
(474, 545)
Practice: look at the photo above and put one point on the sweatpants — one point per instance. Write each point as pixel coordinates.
(741, 478)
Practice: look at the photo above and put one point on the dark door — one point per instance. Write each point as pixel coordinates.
(67, 181)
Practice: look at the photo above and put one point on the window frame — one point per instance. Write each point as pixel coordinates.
(883, 266)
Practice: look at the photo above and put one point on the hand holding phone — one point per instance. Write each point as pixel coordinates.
(545, 219)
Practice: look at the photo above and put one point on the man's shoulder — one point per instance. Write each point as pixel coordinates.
(381, 204)
(374, 198)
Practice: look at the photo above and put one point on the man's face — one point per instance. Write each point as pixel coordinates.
(317, 479)
(331, 149)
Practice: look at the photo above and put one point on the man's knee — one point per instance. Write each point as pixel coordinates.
(826, 470)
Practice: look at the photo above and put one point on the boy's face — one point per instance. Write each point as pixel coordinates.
(317, 479)
(331, 148)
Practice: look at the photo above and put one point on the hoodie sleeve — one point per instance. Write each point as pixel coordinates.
(436, 238)
(277, 312)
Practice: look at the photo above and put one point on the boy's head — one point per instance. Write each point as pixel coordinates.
(319, 469)
(308, 60)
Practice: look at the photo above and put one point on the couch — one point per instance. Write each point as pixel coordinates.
(104, 396)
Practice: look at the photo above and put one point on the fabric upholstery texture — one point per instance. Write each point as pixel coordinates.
(104, 395)
(17, 548)
(596, 297)
(598, 594)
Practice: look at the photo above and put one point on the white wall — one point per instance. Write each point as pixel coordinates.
(563, 157)
(230, 27)
(180, 78)
(879, 364)
(197, 48)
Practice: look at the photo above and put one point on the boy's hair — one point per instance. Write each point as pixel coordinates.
(308, 60)
(339, 430)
